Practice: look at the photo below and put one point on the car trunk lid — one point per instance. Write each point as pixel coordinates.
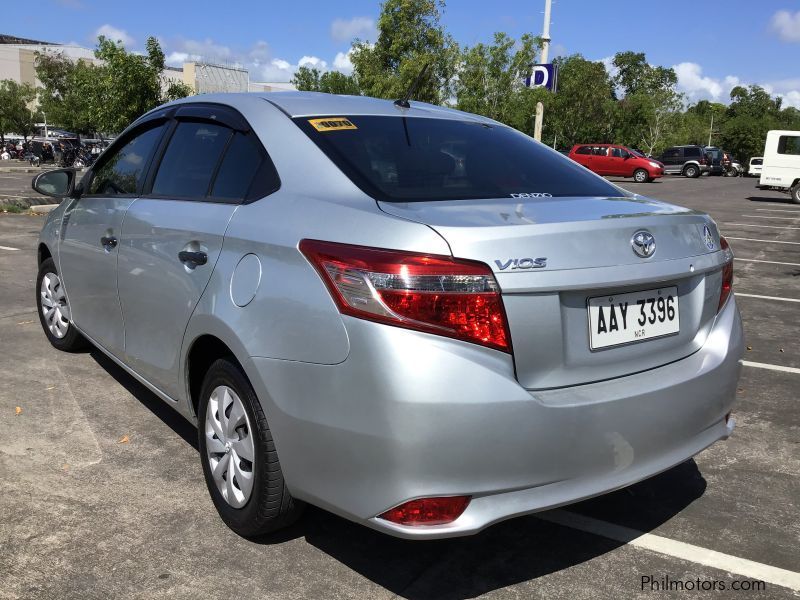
(550, 255)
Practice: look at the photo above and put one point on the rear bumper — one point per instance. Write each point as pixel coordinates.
(410, 415)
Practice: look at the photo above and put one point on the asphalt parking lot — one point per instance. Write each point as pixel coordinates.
(103, 495)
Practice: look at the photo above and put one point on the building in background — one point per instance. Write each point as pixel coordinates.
(18, 55)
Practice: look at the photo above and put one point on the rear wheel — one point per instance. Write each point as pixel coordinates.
(54, 311)
(691, 171)
(795, 193)
(641, 176)
(240, 463)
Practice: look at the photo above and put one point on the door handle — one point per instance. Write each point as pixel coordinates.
(108, 242)
(195, 258)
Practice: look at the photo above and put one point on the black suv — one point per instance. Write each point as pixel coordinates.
(690, 161)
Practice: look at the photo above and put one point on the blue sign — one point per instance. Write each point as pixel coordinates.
(545, 76)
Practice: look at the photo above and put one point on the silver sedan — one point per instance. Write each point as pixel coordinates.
(417, 318)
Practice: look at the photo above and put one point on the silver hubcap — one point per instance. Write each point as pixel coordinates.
(229, 446)
(53, 303)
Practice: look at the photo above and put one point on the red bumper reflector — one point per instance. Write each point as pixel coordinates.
(727, 275)
(427, 511)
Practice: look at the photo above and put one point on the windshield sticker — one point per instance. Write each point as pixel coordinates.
(533, 195)
(332, 124)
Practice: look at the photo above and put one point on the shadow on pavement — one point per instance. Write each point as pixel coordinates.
(149, 400)
(775, 197)
(505, 554)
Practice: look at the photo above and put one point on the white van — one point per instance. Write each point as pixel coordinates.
(781, 169)
(755, 167)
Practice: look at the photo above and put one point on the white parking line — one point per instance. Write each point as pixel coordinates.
(8, 248)
(740, 295)
(762, 241)
(768, 262)
(765, 226)
(676, 549)
(769, 217)
(796, 210)
(769, 367)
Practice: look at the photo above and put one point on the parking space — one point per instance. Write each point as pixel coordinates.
(103, 491)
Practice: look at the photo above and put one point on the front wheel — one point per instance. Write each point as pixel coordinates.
(240, 463)
(691, 171)
(795, 193)
(54, 311)
(641, 176)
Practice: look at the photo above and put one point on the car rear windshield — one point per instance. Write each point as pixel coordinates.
(405, 159)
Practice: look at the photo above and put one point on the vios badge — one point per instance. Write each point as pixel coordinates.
(643, 244)
(708, 239)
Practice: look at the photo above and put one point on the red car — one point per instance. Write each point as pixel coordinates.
(612, 159)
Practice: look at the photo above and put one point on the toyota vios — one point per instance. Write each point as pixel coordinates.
(417, 318)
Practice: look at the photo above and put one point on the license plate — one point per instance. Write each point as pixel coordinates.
(634, 317)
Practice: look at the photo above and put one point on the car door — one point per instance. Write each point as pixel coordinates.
(173, 235)
(599, 160)
(672, 159)
(617, 163)
(90, 234)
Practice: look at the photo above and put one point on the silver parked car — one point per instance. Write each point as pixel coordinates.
(416, 318)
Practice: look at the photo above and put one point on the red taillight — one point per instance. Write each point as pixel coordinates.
(427, 511)
(727, 274)
(431, 293)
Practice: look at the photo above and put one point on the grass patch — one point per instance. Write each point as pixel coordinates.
(12, 208)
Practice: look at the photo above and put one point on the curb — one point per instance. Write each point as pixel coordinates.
(43, 208)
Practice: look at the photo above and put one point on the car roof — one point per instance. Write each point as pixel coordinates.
(310, 104)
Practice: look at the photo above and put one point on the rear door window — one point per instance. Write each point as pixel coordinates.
(692, 152)
(190, 160)
(246, 173)
(584, 150)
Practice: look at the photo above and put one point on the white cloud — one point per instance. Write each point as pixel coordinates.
(786, 25)
(343, 63)
(258, 59)
(345, 30)
(116, 35)
(313, 62)
(608, 63)
(697, 87)
(787, 89)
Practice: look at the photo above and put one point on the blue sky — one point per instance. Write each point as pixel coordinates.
(712, 45)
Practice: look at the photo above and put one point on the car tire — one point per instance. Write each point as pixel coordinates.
(795, 193)
(53, 309)
(641, 176)
(691, 171)
(260, 503)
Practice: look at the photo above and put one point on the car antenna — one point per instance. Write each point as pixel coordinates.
(403, 102)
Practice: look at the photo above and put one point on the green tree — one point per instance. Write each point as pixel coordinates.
(68, 87)
(491, 80)
(15, 113)
(582, 110)
(410, 36)
(306, 79)
(86, 97)
(311, 79)
(649, 108)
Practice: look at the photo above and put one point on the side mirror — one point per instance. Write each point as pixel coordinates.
(58, 184)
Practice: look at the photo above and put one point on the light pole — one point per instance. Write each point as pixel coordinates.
(537, 129)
